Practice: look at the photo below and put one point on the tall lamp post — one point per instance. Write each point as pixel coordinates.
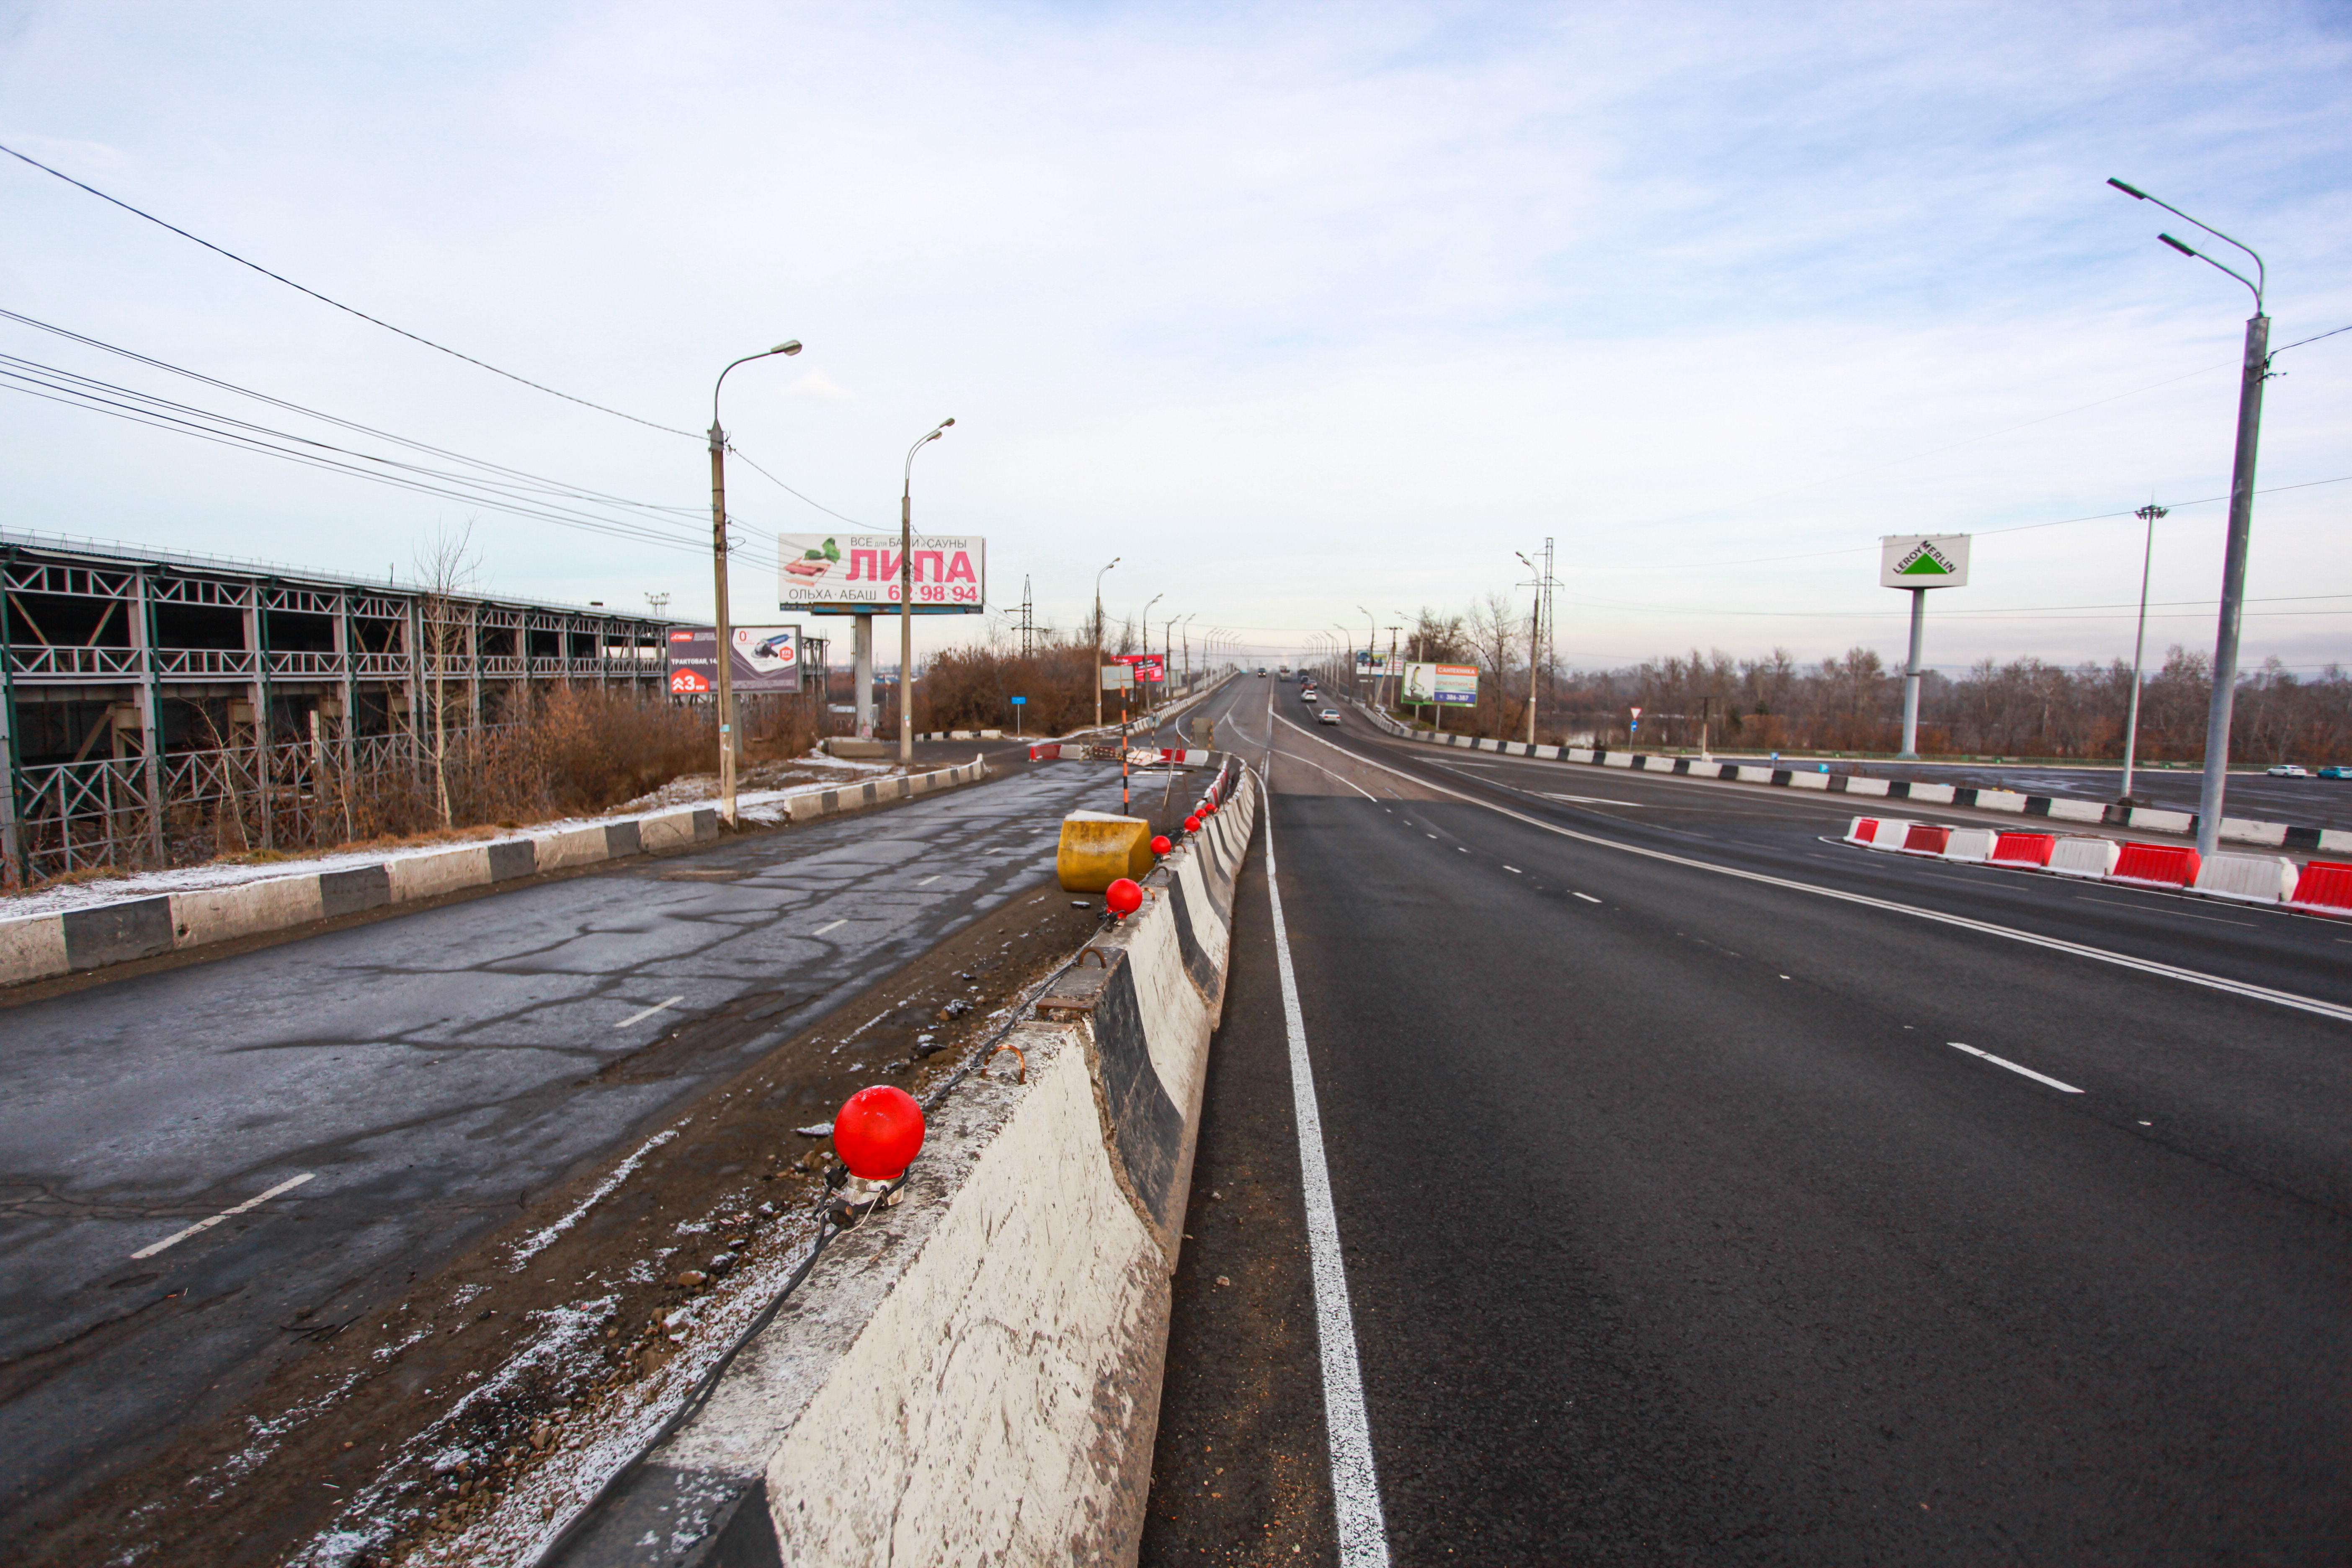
(1372, 638)
(1098, 671)
(1145, 620)
(722, 630)
(2252, 374)
(906, 598)
(2147, 514)
(1187, 624)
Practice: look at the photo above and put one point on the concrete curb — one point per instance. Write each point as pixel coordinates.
(2145, 819)
(39, 947)
(975, 1376)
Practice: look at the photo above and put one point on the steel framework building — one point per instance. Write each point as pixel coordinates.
(135, 680)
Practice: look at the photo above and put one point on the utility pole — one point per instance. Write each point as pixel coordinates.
(2254, 370)
(906, 598)
(723, 637)
(2147, 514)
(1099, 631)
(1028, 619)
(1537, 619)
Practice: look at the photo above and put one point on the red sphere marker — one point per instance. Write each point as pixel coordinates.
(1191, 825)
(878, 1132)
(1123, 897)
(1160, 844)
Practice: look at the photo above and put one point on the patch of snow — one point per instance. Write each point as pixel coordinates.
(531, 1246)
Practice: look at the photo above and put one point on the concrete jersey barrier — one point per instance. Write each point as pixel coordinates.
(2146, 819)
(38, 947)
(973, 1376)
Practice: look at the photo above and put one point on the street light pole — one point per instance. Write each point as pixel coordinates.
(1097, 669)
(721, 629)
(2252, 372)
(907, 599)
(2148, 514)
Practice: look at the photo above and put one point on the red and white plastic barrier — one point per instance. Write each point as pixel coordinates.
(2024, 849)
(2324, 888)
(2155, 865)
(2247, 878)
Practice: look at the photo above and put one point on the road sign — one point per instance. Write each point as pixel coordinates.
(858, 573)
(1019, 700)
(1923, 560)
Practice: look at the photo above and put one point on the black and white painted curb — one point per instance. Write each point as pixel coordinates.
(38, 947)
(973, 1376)
(2145, 819)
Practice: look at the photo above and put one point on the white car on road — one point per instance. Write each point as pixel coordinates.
(1329, 716)
(2289, 771)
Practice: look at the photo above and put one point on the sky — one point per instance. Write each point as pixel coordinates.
(1309, 315)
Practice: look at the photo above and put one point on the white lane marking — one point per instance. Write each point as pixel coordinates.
(641, 1017)
(2057, 944)
(2029, 1072)
(1587, 897)
(1603, 800)
(829, 925)
(1355, 1484)
(929, 879)
(1515, 871)
(1430, 836)
(1460, 849)
(2184, 914)
(205, 1225)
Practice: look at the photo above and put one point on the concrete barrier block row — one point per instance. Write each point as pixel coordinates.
(2236, 830)
(38, 947)
(973, 1376)
(961, 735)
(2320, 887)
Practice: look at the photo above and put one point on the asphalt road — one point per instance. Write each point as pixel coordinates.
(1707, 1190)
(428, 1073)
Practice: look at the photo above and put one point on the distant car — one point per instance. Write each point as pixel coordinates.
(2338, 771)
(2289, 771)
(1329, 716)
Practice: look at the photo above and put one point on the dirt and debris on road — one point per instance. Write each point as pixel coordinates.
(505, 1385)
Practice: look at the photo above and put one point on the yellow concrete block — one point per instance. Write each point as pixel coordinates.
(1097, 849)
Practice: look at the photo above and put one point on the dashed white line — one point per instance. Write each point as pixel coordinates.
(641, 1017)
(1515, 871)
(205, 1225)
(1355, 1484)
(2029, 1072)
(929, 879)
(1587, 897)
(828, 926)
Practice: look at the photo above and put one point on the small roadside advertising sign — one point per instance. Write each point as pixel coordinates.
(766, 658)
(1923, 560)
(1455, 683)
(1147, 665)
(1118, 678)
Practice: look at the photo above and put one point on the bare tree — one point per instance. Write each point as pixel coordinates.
(445, 568)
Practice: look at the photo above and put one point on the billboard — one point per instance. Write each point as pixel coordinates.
(767, 658)
(1148, 667)
(1118, 678)
(858, 573)
(1439, 683)
(1372, 662)
(1923, 560)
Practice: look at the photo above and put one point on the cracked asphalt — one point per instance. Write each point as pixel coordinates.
(432, 1072)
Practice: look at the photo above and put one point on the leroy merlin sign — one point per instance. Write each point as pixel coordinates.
(1923, 560)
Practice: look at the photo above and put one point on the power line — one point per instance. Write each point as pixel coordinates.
(339, 305)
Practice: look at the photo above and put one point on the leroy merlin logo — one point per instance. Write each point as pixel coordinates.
(1925, 560)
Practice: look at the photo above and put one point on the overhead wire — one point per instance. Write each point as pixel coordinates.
(338, 304)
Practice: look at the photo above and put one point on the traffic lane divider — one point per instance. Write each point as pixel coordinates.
(41, 947)
(2247, 878)
(2323, 888)
(974, 1375)
(2155, 865)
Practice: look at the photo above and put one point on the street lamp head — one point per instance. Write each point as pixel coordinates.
(789, 346)
(2176, 245)
(945, 423)
(2136, 194)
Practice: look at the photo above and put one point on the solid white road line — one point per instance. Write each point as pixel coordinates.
(2029, 1072)
(1587, 897)
(828, 926)
(641, 1017)
(929, 879)
(203, 1225)
(1515, 871)
(2057, 945)
(1355, 1484)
